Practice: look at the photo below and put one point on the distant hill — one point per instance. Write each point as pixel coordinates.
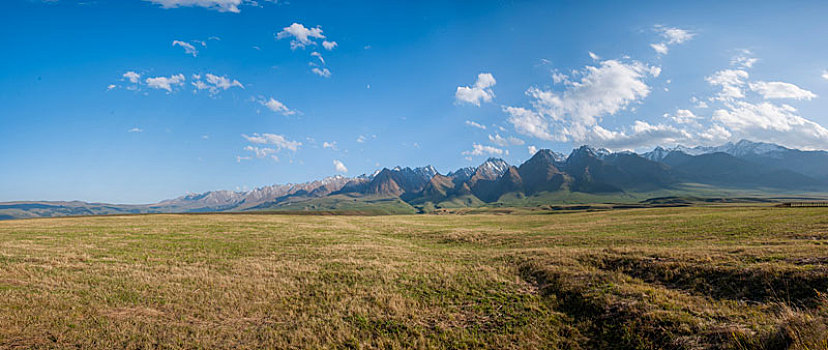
(586, 174)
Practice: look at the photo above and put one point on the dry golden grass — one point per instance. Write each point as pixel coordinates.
(738, 278)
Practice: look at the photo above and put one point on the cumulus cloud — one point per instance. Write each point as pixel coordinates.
(771, 122)
(324, 72)
(340, 167)
(301, 35)
(481, 91)
(684, 116)
(166, 83)
(279, 141)
(479, 150)
(218, 5)
(475, 124)
(638, 135)
(602, 91)
(214, 83)
(778, 89)
(132, 77)
(505, 141)
(731, 81)
(330, 145)
(670, 36)
(532, 150)
(531, 123)
(575, 112)
(188, 48)
(277, 106)
(329, 45)
(825, 74)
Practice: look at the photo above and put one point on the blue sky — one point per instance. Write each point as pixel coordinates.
(134, 101)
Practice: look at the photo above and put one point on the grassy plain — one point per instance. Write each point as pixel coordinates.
(684, 278)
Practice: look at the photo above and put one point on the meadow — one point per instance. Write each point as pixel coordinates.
(716, 277)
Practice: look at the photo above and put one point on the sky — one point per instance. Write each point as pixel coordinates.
(136, 101)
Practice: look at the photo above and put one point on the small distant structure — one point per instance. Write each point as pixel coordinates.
(810, 204)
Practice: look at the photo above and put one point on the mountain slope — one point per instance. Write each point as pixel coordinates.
(587, 174)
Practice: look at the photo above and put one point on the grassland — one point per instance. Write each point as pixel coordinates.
(685, 278)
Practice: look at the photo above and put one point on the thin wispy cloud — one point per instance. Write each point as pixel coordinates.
(482, 150)
(324, 72)
(279, 141)
(277, 106)
(218, 5)
(670, 36)
(188, 48)
(475, 125)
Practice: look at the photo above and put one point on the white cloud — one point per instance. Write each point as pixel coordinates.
(302, 36)
(166, 83)
(639, 135)
(475, 124)
(660, 48)
(361, 139)
(772, 123)
(329, 45)
(481, 91)
(135, 130)
(241, 158)
(731, 82)
(324, 72)
(574, 113)
(698, 103)
(219, 5)
(276, 106)
(331, 145)
(188, 48)
(671, 36)
(744, 59)
(674, 35)
(319, 56)
(684, 116)
(260, 152)
(530, 123)
(505, 141)
(215, 83)
(532, 150)
(479, 150)
(593, 56)
(273, 139)
(825, 74)
(715, 134)
(778, 89)
(132, 77)
(111, 86)
(602, 91)
(340, 167)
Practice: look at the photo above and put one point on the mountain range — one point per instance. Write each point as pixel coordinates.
(586, 174)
